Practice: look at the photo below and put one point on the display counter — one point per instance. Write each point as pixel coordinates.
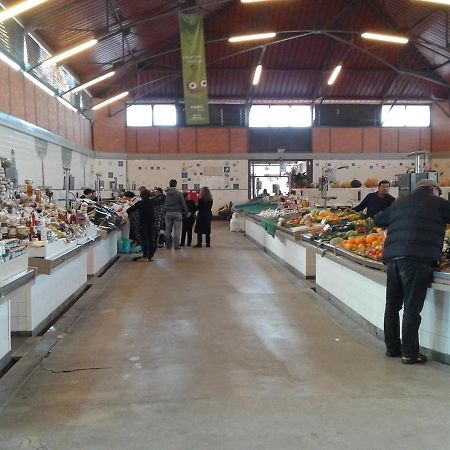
(356, 285)
(298, 255)
(14, 286)
(103, 251)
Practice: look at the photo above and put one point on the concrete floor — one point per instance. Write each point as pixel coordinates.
(221, 349)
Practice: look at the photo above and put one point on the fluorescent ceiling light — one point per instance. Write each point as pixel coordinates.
(10, 62)
(252, 37)
(39, 84)
(334, 75)
(439, 2)
(92, 82)
(257, 75)
(68, 53)
(66, 104)
(386, 38)
(109, 101)
(19, 8)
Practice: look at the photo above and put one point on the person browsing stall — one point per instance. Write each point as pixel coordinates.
(376, 201)
(413, 248)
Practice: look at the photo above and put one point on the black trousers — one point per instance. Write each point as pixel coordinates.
(186, 230)
(200, 238)
(149, 240)
(407, 283)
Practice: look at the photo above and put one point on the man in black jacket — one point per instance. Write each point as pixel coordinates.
(376, 201)
(416, 226)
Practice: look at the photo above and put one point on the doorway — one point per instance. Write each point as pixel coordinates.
(272, 176)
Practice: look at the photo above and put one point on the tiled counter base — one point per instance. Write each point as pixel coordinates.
(14, 286)
(5, 333)
(102, 252)
(58, 282)
(360, 293)
(298, 255)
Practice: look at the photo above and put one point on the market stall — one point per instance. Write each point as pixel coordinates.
(348, 270)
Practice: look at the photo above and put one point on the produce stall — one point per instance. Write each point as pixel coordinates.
(345, 258)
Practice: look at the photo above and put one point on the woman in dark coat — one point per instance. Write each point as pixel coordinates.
(148, 226)
(188, 221)
(204, 217)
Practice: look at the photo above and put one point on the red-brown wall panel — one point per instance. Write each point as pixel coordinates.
(17, 94)
(213, 140)
(371, 140)
(109, 132)
(187, 140)
(68, 117)
(4, 92)
(389, 140)
(238, 140)
(425, 139)
(409, 140)
(131, 138)
(346, 140)
(440, 128)
(148, 140)
(42, 108)
(53, 115)
(61, 119)
(321, 140)
(168, 140)
(30, 102)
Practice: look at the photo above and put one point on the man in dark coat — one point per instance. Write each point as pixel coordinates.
(413, 248)
(376, 201)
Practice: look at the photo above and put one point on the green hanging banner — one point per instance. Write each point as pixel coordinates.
(194, 69)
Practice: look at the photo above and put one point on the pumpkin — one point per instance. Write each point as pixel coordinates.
(371, 183)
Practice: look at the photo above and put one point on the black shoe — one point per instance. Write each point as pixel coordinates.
(394, 354)
(182, 244)
(208, 245)
(419, 359)
(189, 244)
(198, 246)
(138, 258)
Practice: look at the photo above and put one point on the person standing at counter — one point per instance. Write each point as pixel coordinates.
(376, 201)
(175, 208)
(148, 227)
(413, 248)
(204, 217)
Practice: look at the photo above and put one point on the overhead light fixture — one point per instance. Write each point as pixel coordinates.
(439, 2)
(66, 104)
(334, 75)
(39, 84)
(386, 38)
(252, 37)
(257, 75)
(92, 82)
(68, 53)
(109, 101)
(19, 8)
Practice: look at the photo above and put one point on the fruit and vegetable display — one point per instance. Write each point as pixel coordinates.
(370, 246)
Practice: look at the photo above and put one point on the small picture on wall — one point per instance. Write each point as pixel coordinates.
(226, 169)
(110, 175)
(196, 187)
(120, 163)
(184, 187)
(236, 186)
(184, 175)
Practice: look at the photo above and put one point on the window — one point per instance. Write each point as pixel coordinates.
(280, 116)
(259, 116)
(139, 116)
(405, 116)
(164, 115)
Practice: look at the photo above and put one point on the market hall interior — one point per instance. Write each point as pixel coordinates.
(216, 348)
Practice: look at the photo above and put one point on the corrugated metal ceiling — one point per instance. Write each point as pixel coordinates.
(140, 38)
